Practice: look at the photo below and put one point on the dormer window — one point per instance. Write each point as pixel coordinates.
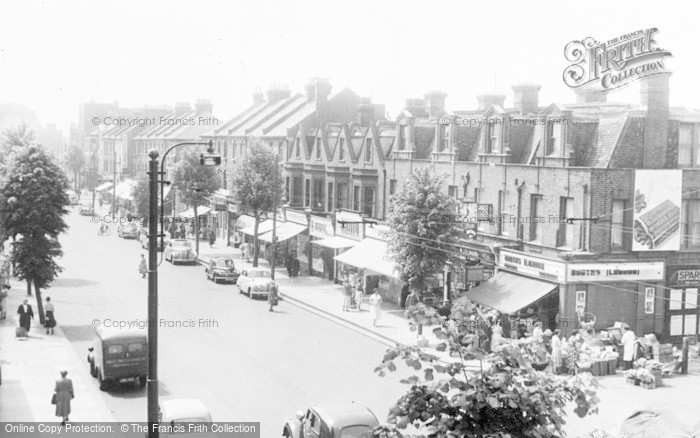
(341, 145)
(491, 140)
(445, 140)
(402, 137)
(368, 150)
(317, 145)
(297, 149)
(552, 140)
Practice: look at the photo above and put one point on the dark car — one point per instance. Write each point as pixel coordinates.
(128, 230)
(332, 421)
(221, 269)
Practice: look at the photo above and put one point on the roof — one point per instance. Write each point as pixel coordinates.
(107, 334)
(346, 414)
(183, 408)
(221, 131)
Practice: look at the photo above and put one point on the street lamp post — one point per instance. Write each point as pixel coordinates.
(273, 262)
(153, 213)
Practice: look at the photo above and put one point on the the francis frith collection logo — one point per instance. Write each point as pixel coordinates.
(614, 63)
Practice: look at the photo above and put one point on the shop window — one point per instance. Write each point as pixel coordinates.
(535, 212)
(618, 221)
(318, 194)
(331, 199)
(307, 193)
(565, 233)
(691, 224)
(368, 150)
(342, 196)
(683, 318)
(356, 198)
(368, 202)
(392, 186)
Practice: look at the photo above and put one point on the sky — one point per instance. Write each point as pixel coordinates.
(55, 55)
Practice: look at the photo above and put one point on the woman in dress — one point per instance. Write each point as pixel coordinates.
(376, 302)
(63, 394)
(556, 351)
(358, 295)
(50, 321)
(496, 335)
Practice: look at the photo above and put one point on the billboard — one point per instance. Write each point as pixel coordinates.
(657, 210)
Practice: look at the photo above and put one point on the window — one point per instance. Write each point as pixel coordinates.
(297, 195)
(331, 199)
(115, 349)
(135, 347)
(307, 193)
(502, 208)
(297, 149)
(356, 198)
(225, 149)
(318, 194)
(685, 146)
(342, 196)
(535, 211)
(368, 202)
(691, 224)
(452, 191)
(491, 145)
(368, 150)
(341, 145)
(312, 424)
(618, 220)
(565, 233)
(445, 140)
(402, 137)
(317, 145)
(286, 188)
(392, 186)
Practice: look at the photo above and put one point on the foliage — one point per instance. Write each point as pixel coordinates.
(141, 195)
(35, 260)
(75, 161)
(421, 217)
(502, 396)
(253, 183)
(194, 182)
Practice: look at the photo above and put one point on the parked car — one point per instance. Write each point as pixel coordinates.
(128, 230)
(255, 282)
(334, 421)
(73, 197)
(221, 269)
(86, 209)
(143, 238)
(179, 251)
(177, 415)
(118, 356)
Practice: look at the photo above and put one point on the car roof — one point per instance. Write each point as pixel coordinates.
(107, 334)
(221, 258)
(338, 415)
(183, 408)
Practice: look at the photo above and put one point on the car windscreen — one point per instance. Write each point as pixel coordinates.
(259, 274)
(224, 263)
(356, 431)
(137, 346)
(181, 244)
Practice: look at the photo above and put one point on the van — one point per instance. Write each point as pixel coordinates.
(119, 356)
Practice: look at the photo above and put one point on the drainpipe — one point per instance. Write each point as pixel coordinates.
(585, 224)
(384, 196)
(519, 224)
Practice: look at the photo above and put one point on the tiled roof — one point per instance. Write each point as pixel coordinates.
(222, 130)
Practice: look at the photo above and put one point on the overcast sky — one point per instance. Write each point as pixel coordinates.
(55, 55)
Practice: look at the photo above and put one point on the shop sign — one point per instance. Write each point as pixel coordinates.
(649, 295)
(623, 271)
(220, 207)
(543, 269)
(351, 227)
(380, 232)
(321, 227)
(296, 217)
(682, 277)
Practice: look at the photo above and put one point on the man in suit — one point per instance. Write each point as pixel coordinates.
(25, 315)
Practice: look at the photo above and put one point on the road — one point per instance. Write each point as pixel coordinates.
(243, 362)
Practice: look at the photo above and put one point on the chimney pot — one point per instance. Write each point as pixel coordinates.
(526, 98)
(435, 102)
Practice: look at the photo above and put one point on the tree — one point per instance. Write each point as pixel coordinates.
(75, 161)
(421, 217)
(506, 397)
(195, 184)
(33, 202)
(14, 138)
(253, 186)
(141, 195)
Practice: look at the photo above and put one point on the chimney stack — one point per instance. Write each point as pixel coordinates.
(258, 96)
(654, 96)
(365, 112)
(203, 106)
(526, 98)
(182, 107)
(277, 92)
(435, 102)
(318, 89)
(486, 101)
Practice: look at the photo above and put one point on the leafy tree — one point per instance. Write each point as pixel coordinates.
(75, 161)
(504, 397)
(253, 186)
(195, 184)
(423, 233)
(141, 195)
(33, 201)
(13, 138)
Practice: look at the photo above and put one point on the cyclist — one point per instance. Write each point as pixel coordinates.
(104, 229)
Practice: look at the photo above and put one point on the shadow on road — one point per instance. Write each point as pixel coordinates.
(72, 282)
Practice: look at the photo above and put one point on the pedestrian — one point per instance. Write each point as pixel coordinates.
(272, 297)
(295, 268)
(288, 264)
(537, 333)
(3, 300)
(237, 240)
(556, 356)
(212, 237)
(183, 232)
(358, 295)
(143, 267)
(347, 295)
(488, 333)
(63, 394)
(411, 300)
(628, 340)
(376, 302)
(50, 321)
(25, 315)
(496, 335)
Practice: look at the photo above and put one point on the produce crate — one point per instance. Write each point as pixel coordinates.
(658, 376)
(612, 366)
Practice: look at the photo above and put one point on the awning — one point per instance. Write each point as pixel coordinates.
(221, 196)
(369, 254)
(285, 230)
(336, 242)
(509, 293)
(244, 221)
(263, 227)
(123, 189)
(201, 211)
(103, 186)
(166, 191)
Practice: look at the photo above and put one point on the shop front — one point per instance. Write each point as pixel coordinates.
(220, 201)
(324, 247)
(298, 247)
(683, 312)
(286, 234)
(348, 225)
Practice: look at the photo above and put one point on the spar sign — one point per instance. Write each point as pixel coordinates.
(614, 63)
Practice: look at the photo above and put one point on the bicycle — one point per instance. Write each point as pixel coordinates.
(104, 231)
